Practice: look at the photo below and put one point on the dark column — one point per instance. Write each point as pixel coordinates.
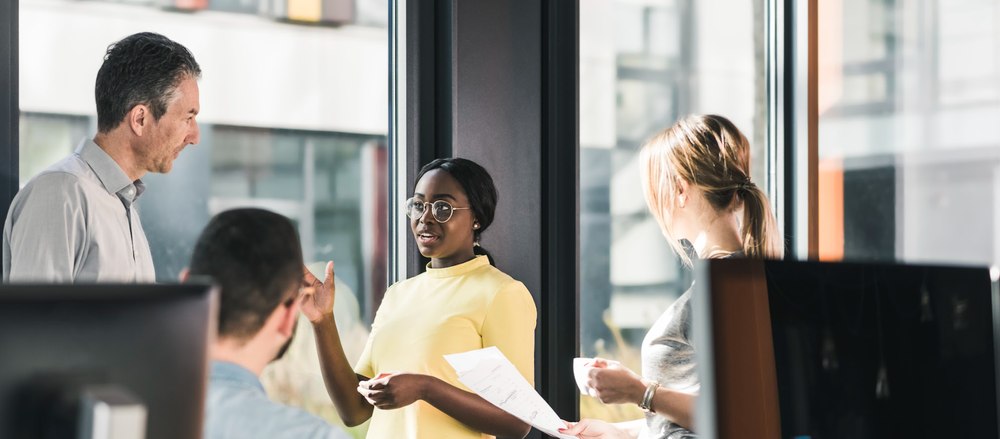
(515, 91)
(497, 82)
(9, 107)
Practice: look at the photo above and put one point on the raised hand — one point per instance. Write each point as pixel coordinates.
(318, 301)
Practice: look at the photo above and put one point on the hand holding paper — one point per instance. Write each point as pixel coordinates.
(494, 378)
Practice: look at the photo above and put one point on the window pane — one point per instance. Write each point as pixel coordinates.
(908, 149)
(643, 65)
(294, 120)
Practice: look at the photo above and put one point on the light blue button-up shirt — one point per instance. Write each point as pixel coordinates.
(76, 221)
(238, 408)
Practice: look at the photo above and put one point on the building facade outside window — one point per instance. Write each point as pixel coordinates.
(909, 94)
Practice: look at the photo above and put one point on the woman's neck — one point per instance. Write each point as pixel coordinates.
(719, 237)
(453, 260)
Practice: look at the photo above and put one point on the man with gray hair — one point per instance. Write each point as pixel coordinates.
(76, 221)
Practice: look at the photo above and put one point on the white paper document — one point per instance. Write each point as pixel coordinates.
(493, 377)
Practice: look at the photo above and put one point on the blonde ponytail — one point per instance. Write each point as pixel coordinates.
(761, 238)
(709, 153)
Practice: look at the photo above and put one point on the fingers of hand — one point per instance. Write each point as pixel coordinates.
(374, 395)
(378, 398)
(305, 294)
(593, 372)
(572, 428)
(594, 382)
(604, 392)
(329, 274)
(366, 394)
(311, 282)
(378, 383)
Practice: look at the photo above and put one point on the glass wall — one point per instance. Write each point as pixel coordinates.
(294, 120)
(643, 65)
(908, 146)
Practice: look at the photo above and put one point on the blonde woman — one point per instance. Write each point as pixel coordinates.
(696, 178)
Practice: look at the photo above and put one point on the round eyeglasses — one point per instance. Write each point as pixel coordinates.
(441, 210)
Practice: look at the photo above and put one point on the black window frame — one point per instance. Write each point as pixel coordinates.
(9, 105)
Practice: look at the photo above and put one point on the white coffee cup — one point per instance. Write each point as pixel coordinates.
(581, 373)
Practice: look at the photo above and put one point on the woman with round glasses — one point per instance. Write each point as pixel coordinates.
(461, 303)
(696, 178)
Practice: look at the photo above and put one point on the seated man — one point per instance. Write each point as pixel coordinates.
(255, 258)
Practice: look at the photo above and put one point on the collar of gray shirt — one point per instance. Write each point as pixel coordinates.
(112, 176)
(235, 375)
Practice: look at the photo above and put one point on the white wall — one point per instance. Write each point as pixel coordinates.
(256, 72)
(597, 74)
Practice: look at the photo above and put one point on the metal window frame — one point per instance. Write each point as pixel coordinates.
(560, 311)
(792, 122)
(420, 112)
(9, 105)
(398, 134)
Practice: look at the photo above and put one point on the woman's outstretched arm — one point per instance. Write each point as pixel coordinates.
(340, 379)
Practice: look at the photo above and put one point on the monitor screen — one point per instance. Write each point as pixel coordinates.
(151, 340)
(849, 349)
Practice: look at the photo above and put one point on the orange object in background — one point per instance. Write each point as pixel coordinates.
(830, 54)
(191, 5)
(831, 209)
(305, 10)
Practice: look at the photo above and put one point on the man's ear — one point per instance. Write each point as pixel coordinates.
(138, 119)
(185, 274)
(289, 317)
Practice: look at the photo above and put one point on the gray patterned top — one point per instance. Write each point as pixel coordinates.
(668, 357)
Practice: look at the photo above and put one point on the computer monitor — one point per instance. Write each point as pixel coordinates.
(146, 343)
(832, 350)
